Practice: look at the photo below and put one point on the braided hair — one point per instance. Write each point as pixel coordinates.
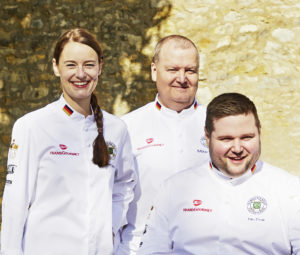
(100, 151)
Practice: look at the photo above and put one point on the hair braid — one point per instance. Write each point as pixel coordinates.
(100, 151)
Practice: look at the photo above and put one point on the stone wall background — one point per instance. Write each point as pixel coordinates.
(248, 46)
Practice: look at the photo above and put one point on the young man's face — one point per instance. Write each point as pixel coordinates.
(176, 75)
(234, 144)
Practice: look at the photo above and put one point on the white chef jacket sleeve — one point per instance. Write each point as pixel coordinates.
(22, 164)
(295, 233)
(124, 183)
(294, 223)
(156, 238)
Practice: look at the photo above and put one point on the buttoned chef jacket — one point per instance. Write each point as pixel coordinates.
(56, 200)
(164, 142)
(201, 211)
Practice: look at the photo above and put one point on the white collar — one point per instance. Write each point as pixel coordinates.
(169, 112)
(68, 111)
(238, 180)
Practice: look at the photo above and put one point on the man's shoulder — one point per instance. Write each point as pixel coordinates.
(139, 113)
(200, 114)
(201, 108)
(275, 171)
(113, 124)
(112, 118)
(189, 175)
(280, 177)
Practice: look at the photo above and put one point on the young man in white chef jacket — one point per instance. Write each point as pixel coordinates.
(235, 204)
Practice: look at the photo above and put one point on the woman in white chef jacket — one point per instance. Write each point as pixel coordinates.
(70, 168)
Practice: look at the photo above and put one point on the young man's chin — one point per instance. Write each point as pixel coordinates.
(235, 171)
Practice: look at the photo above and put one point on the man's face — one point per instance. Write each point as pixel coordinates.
(176, 75)
(234, 144)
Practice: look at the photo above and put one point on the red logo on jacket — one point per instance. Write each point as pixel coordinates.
(149, 140)
(63, 147)
(150, 143)
(197, 202)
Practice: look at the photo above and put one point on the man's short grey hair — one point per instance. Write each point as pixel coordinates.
(182, 41)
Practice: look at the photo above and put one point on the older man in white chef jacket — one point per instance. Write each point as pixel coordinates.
(165, 133)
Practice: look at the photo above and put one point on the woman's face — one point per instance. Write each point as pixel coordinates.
(78, 69)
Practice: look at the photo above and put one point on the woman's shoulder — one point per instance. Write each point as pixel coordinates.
(36, 116)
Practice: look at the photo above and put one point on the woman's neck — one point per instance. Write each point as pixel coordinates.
(82, 106)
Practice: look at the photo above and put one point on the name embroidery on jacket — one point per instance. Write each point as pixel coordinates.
(197, 208)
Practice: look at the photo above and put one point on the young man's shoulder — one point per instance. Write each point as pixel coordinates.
(281, 180)
(276, 172)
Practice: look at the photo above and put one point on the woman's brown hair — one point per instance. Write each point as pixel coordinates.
(100, 151)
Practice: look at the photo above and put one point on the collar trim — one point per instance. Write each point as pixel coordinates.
(195, 105)
(158, 105)
(253, 169)
(67, 110)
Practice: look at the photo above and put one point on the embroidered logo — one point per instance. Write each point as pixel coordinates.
(158, 106)
(149, 140)
(149, 143)
(195, 105)
(68, 110)
(63, 151)
(203, 142)
(13, 145)
(257, 205)
(204, 146)
(63, 147)
(13, 149)
(112, 149)
(197, 202)
(11, 168)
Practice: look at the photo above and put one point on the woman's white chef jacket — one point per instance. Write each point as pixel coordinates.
(200, 211)
(164, 142)
(56, 201)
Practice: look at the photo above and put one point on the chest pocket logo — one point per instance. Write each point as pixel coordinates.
(112, 150)
(257, 205)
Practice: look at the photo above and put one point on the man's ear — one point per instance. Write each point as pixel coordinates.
(259, 129)
(55, 68)
(207, 136)
(153, 71)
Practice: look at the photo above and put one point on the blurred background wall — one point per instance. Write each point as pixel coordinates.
(248, 46)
